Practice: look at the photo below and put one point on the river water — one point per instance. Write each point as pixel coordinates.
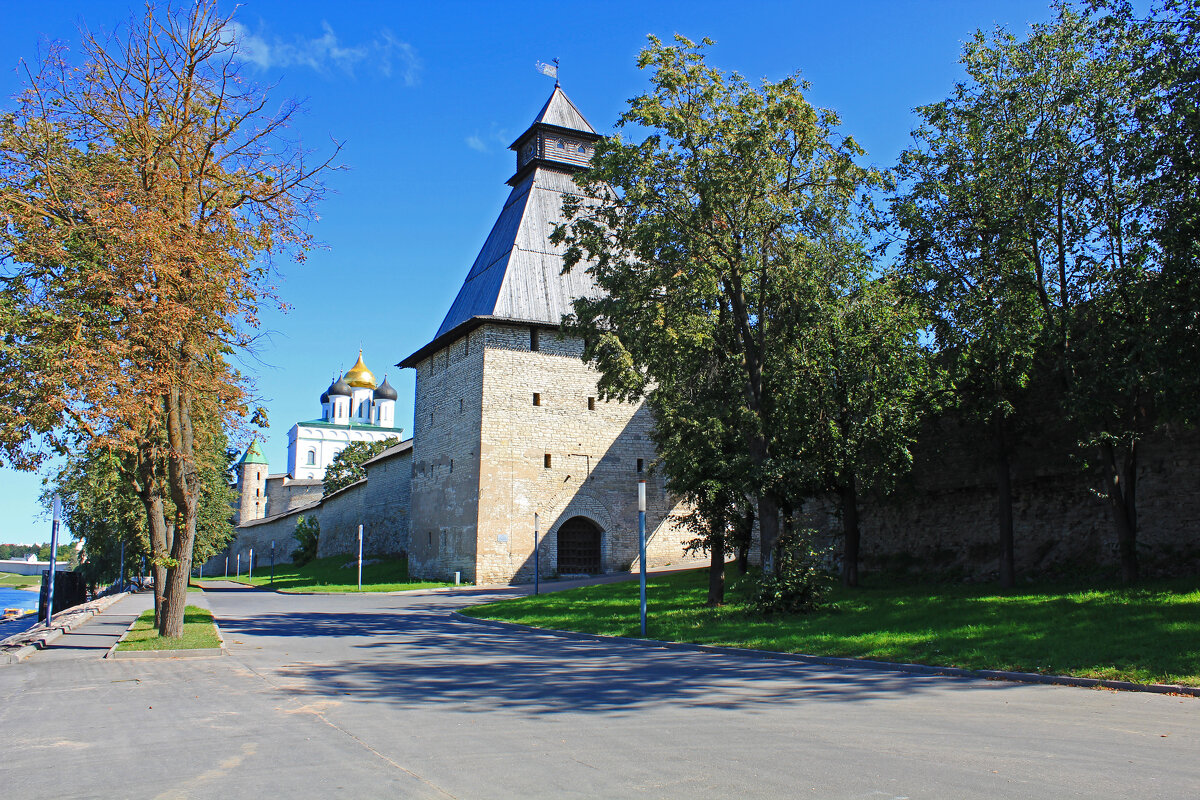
(17, 598)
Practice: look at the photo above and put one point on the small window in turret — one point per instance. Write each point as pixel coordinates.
(582, 149)
(562, 145)
(533, 339)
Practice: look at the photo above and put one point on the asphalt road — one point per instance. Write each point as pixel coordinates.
(387, 696)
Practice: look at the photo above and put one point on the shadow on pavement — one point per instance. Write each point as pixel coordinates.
(419, 656)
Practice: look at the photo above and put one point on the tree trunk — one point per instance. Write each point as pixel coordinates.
(175, 597)
(768, 531)
(1004, 507)
(182, 480)
(849, 498)
(716, 566)
(149, 489)
(1121, 486)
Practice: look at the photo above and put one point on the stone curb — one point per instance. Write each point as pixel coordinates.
(36, 638)
(354, 594)
(196, 652)
(857, 663)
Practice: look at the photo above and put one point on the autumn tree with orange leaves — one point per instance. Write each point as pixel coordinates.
(143, 195)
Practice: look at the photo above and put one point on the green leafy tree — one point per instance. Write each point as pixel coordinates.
(347, 466)
(102, 508)
(700, 224)
(958, 212)
(857, 379)
(308, 534)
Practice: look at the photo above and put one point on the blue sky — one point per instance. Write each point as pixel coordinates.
(427, 96)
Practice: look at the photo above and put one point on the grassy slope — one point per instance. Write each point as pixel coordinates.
(1147, 634)
(333, 575)
(198, 632)
(10, 580)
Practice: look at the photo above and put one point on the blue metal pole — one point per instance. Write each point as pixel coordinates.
(121, 577)
(53, 553)
(537, 578)
(642, 547)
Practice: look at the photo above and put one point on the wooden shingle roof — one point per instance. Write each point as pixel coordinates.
(518, 274)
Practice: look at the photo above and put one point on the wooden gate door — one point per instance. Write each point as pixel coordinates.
(579, 547)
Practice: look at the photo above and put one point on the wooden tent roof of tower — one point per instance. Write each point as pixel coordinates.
(517, 276)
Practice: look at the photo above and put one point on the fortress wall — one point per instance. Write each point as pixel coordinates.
(943, 518)
(340, 515)
(387, 504)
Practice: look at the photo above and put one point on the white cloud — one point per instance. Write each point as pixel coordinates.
(497, 138)
(384, 53)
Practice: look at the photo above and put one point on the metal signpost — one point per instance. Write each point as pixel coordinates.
(272, 562)
(226, 566)
(360, 558)
(121, 577)
(238, 574)
(250, 566)
(57, 505)
(536, 570)
(642, 546)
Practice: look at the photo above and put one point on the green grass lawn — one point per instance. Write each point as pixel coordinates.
(1149, 634)
(337, 574)
(10, 580)
(198, 632)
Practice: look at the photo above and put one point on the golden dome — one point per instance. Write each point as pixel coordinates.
(359, 375)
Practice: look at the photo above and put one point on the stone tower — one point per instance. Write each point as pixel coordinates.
(508, 422)
(252, 485)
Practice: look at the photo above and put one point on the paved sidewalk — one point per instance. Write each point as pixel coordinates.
(389, 696)
(93, 638)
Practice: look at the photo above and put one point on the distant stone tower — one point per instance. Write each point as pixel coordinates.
(252, 485)
(508, 423)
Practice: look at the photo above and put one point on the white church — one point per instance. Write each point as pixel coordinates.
(353, 409)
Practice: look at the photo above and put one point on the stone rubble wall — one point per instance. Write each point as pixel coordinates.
(942, 520)
(379, 503)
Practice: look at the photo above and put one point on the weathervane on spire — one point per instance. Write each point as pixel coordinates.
(548, 69)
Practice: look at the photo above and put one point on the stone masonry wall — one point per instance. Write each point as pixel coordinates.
(593, 456)
(388, 504)
(340, 514)
(445, 467)
(943, 518)
(380, 503)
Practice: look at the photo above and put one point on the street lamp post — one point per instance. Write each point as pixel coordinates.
(537, 577)
(642, 546)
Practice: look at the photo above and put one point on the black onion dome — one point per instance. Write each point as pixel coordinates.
(385, 391)
(324, 397)
(340, 387)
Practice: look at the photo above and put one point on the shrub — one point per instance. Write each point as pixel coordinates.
(802, 583)
(308, 534)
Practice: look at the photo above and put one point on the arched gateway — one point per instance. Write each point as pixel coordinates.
(579, 547)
